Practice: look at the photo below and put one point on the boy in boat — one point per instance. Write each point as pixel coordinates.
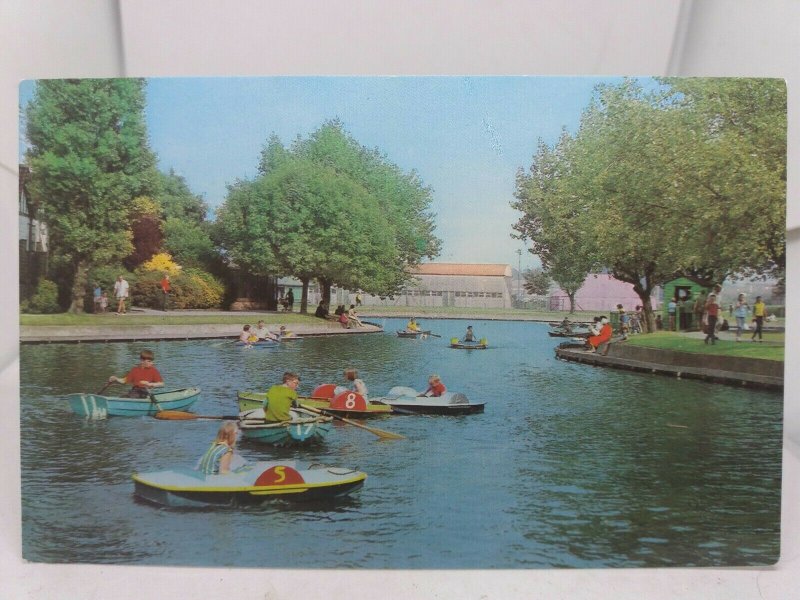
(219, 456)
(435, 387)
(469, 336)
(280, 398)
(262, 332)
(358, 385)
(142, 377)
(412, 325)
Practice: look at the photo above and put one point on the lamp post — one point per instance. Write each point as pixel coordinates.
(519, 274)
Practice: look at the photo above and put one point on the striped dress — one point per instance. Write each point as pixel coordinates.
(209, 463)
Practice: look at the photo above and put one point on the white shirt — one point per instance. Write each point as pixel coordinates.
(121, 289)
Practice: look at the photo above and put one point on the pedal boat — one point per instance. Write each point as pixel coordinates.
(304, 428)
(328, 397)
(252, 484)
(405, 400)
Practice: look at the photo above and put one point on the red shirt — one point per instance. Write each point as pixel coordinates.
(712, 309)
(437, 388)
(139, 373)
(165, 285)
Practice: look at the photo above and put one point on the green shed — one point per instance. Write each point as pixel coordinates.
(685, 292)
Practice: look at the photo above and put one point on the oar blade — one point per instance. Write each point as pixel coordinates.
(175, 415)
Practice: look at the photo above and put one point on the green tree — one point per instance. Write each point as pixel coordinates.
(89, 158)
(731, 168)
(177, 200)
(537, 282)
(189, 243)
(555, 223)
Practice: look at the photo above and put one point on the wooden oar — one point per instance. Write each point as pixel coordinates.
(105, 387)
(179, 415)
(386, 435)
(434, 335)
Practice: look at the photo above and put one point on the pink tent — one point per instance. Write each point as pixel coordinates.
(602, 293)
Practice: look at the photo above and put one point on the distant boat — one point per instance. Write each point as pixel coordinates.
(405, 333)
(481, 344)
(252, 484)
(98, 407)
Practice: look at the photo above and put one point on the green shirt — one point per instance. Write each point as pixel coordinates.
(279, 400)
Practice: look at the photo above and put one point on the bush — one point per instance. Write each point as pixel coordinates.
(44, 301)
(190, 288)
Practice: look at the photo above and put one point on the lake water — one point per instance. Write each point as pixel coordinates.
(569, 465)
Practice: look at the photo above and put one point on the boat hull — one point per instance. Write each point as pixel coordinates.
(341, 405)
(304, 429)
(468, 346)
(404, 333)
(405, 400)
(254, 484)
(96, 406)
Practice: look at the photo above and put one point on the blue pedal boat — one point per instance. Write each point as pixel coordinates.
(304, 428)
(252, 484)
(95, 406)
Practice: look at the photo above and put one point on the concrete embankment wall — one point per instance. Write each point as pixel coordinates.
(754, 372)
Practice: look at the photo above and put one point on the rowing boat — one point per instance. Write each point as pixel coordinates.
(98, 407)
(568, 334)
(405, 333)
(303, 428)
(328, 397)
(405, 399)
(251, 484)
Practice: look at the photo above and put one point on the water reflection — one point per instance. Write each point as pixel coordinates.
(569, 466)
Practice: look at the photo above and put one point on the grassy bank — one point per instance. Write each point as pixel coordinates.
(771, 349)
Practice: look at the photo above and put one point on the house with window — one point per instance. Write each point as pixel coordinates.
(33, 239)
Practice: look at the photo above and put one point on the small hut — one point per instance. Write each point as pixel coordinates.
(685, 291)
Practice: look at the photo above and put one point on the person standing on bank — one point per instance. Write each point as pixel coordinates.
(759, 314)
(740, 310)
(289, 300)
(165, 287)
(712, 311)
(121, 294)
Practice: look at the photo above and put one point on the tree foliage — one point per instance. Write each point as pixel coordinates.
(89, 158)
(687, 178)
(537, 282)
(177, 200)
(328, 209)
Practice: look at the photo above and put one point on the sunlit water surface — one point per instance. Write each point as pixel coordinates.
(569, 466)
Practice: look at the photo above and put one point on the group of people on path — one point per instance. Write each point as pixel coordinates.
(122, 293)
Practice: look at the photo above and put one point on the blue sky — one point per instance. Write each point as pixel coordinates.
(465, 136)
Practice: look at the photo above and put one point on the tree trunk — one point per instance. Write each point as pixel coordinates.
(304, 296)
(649, 325)
(79, 287)
(325, 289)
(571, 297)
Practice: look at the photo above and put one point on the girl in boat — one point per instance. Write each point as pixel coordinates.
(412, 325)
(358, 385)
(247, 336)
(469, 336)
(219, 456)
(435, 387)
